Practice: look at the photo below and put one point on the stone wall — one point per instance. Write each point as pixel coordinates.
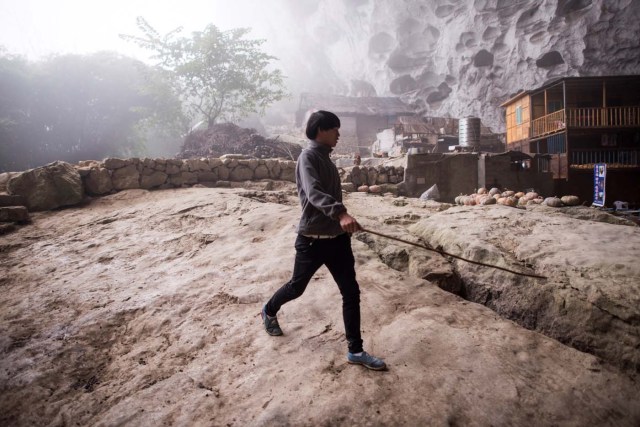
(121, 174)
(372, 175)
(60, 184)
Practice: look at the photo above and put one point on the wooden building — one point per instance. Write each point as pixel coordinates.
(361, 118)
(571, 123)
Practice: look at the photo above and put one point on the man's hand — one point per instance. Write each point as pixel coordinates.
(348, 223)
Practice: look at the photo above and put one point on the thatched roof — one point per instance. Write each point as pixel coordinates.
(351, 106)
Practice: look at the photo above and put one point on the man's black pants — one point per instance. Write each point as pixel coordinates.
(337, 255)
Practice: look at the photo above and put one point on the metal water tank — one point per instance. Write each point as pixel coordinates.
(469, 132)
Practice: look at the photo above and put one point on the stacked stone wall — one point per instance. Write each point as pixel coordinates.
(372, 175)
(114, 174)
(60, 184)
(122, 174)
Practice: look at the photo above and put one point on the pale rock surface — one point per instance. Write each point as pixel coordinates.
(4, 179)
(142, 308)
(591, 297)
(48, 187)
(463, 57)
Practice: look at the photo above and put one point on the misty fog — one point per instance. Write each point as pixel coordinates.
(444, 59)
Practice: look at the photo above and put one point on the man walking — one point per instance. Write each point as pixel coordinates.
(324, 237)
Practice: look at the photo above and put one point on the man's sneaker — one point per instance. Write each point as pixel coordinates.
(367, 360)
(270, 323)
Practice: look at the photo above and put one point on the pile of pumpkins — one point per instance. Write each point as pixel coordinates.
(514, 199)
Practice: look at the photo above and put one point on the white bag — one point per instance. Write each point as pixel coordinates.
(431, 194)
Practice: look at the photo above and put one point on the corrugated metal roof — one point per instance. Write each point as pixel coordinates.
(415, 125)
(344, 105)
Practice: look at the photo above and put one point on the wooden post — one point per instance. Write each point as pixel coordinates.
(544, 123)
(604, 103)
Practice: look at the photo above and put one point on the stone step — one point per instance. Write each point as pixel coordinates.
(6, 227)
(11, 200)
(18, 214)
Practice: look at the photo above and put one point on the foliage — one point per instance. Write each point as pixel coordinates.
(218, 74)
(75, 107)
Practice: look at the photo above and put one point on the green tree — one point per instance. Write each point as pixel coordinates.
(81, 107)
(217, 74)
(15, 93)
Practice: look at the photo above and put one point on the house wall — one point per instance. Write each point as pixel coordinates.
(515, 131)
(617, 186)
(453, 173)
(348, 143)
(458, 174)
(367, 128)
(500, 170)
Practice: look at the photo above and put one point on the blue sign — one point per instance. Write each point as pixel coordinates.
(599, 183)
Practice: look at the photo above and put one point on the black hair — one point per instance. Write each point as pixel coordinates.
(321, 120)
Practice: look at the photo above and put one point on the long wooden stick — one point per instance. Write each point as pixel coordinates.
(441, 252)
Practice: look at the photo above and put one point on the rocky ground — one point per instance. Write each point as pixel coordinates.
(142, 308)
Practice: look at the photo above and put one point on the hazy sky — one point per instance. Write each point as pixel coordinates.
(39, 27)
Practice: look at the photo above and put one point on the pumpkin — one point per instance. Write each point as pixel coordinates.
(508, 193)
(531, 195)
(519, 194)
(457, 199)
(522, 201)
(375, 188)
(482, 190)
(363, 189)
(494, 191)
(570, 200)
(488, 200)
(501, 200)
(554, 202)
(510, 201)
(469, 201)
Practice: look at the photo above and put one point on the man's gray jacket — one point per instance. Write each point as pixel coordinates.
(319, 191)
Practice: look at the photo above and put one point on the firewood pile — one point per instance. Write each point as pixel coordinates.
(227, 138)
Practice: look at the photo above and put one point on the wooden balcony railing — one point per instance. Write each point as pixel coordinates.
(614, 157)
(610, 117)
(603, 117)
(548, 124)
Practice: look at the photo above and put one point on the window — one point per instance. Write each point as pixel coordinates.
(519, 115)
(553, 106)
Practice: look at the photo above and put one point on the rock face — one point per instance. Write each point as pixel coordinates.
(590, 299)
(464, 57)
(48, 187)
